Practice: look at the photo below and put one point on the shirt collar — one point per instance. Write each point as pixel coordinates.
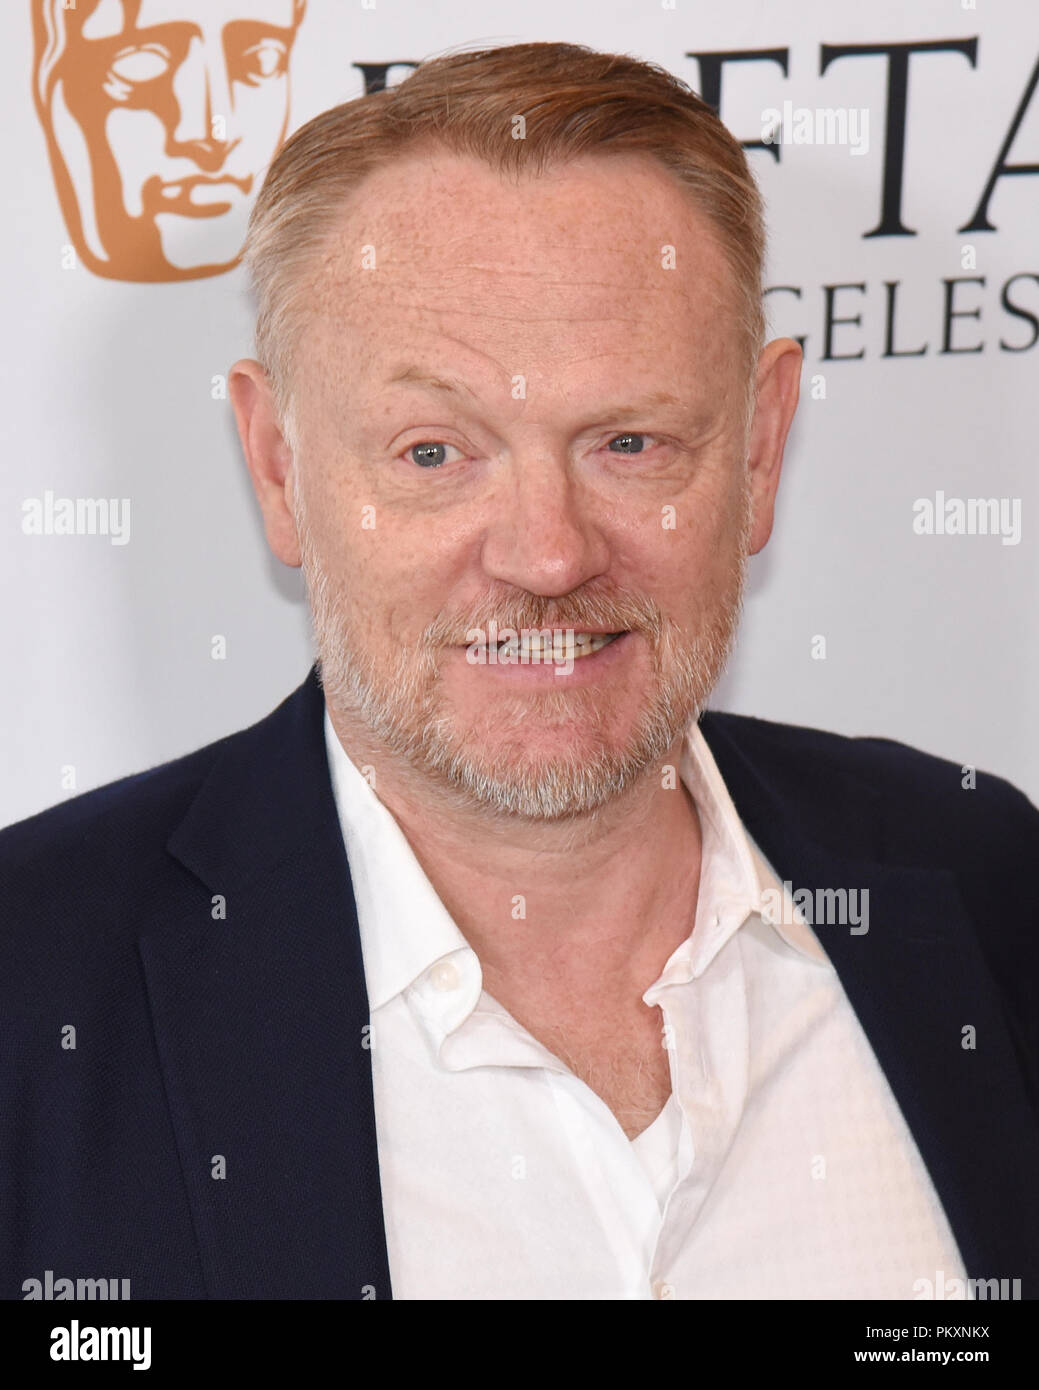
(390, 886)
(406, 929)
(736, 878)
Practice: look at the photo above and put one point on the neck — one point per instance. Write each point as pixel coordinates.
(616, 887)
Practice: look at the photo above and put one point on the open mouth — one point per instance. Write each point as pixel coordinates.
(546, 646)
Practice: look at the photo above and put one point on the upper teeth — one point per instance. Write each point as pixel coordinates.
(559, 645)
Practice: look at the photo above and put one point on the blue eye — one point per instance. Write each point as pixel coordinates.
(630, 443)
(429, 455)
(433, 453)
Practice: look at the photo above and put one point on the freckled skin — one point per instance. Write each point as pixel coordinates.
(559, 281)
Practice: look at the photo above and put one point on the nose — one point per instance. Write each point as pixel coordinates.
(544, 537)
(201, 92)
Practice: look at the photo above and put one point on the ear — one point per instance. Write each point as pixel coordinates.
(268, 455)
(778, 383)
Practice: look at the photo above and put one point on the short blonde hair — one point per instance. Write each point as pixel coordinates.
(574, 101)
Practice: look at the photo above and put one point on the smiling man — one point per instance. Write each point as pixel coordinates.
(534, 509)
(490, 965)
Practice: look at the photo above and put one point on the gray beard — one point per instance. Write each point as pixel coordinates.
(403, 708)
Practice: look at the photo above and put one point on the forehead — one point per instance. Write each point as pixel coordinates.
(605, 253)
(113, 17)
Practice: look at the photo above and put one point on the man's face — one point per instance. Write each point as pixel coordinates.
(160, 117)
(520, 412)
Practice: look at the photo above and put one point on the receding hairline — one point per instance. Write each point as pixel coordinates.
(576, 101)
(310, 269)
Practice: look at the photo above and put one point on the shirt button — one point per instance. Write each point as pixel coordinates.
(663, 1290)
(444, 975)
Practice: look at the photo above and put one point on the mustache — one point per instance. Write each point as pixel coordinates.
(604, 607)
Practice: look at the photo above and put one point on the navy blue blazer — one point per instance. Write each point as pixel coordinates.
(203, 1040)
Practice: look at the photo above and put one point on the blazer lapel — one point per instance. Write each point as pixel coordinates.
(916, 980)
(261, 1024)
(261, 1017)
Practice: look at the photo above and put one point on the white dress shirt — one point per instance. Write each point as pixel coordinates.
(780, 1167)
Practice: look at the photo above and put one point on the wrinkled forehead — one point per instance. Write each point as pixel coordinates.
(439, 208)
(606, 252)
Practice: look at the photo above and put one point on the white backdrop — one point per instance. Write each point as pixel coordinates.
(929, 638)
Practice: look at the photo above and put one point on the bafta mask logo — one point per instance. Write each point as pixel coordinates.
(161, 117)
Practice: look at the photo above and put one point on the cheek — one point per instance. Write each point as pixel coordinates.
(679, 544)
(718, 520)
(386, 581)
(691, 571)
(374, 558)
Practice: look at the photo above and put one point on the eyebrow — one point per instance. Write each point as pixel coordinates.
(416, 376)
(454, 386)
